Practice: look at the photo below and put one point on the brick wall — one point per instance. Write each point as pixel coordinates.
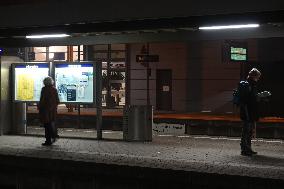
(202, 81)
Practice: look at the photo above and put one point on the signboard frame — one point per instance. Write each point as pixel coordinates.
(226, 51)
(13, 79)
(55, 63)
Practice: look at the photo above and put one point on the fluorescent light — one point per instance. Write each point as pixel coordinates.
(229, 27)
(46, 36)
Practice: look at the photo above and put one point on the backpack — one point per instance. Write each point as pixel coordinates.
(241, 93)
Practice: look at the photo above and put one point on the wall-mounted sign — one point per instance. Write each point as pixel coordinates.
(166, 88)
(235, 51)
(28, 81)
(75, 82)
(59, 56)
(238, 53)
(147, 58)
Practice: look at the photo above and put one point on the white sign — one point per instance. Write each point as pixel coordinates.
(166, 88)
(74, 83)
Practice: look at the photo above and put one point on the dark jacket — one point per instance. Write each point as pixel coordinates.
(249, 110)
(48, 104)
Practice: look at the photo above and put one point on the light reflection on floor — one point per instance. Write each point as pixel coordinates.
(73, 132)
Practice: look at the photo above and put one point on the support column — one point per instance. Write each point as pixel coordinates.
(99, 99)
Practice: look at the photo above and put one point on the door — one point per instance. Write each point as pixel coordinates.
(164, 89)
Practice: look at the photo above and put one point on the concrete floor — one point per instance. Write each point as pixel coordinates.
(219, 155)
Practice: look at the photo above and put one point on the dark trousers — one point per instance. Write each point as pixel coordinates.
(247, 135)
(48, 132)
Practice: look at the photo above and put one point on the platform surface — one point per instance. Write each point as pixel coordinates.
(219, 155)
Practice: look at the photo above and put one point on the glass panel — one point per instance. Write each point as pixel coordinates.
(75, 53)
(58, 49)
(39, 49)
(104, 87)
(100, 55)
(75, 48)
(122, 94)
(117, 83)
(118, 54)
(58, 56)
(117, 64)
(75, 56)
(100, 47)
(51, 55)
(118, 47)
(40, 56)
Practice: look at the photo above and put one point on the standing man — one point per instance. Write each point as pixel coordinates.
(249, 111)
(48, 109)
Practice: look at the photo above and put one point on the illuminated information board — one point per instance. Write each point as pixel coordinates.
(238, 54)
(29, 81)
(74, 82)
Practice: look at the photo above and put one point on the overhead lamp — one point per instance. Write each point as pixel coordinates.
(46, 36)
(229, 27)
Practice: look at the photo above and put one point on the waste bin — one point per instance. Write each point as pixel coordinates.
(137, 123)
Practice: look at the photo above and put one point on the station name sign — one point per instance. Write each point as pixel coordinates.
(32, 66)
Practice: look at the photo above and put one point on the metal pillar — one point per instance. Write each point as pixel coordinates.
(99, 99)
(148, 75)
(19, 121)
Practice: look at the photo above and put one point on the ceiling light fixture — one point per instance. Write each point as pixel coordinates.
(46, 36)
(229, 27)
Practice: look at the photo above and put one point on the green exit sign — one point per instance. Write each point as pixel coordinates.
(238, 54)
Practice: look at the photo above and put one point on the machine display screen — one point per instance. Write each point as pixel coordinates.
(29, 81)
(74, 82)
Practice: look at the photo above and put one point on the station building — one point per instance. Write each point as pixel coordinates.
(194, 71)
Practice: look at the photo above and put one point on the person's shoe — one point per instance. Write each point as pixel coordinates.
(53, 140)
(253, 152)
(46, 143)
(246, 153)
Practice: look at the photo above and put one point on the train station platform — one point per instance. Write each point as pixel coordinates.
(166, 162)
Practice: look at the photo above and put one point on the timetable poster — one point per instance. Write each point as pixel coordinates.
(29, 81)
(74, 82)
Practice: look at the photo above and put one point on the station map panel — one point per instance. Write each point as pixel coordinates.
(74, 82)
(29, 81)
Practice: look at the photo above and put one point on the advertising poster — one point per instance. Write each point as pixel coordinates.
(29, 81)
(74, 82)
